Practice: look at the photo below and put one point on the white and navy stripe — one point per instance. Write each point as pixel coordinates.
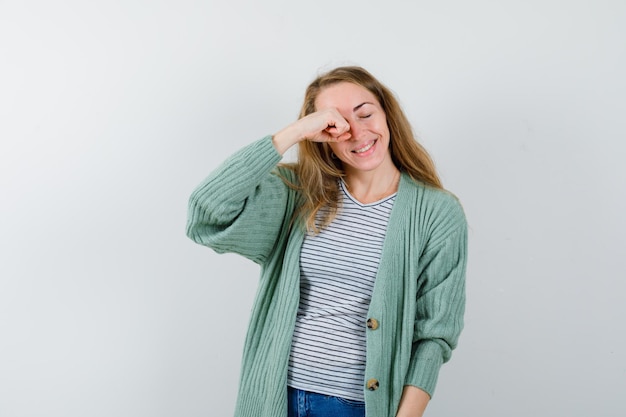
(338, 268)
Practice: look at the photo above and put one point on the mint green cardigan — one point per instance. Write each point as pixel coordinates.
(418, 298)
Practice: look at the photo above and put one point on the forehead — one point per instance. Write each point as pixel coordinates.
(344, 96)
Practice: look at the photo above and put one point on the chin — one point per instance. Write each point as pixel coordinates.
(366, 166)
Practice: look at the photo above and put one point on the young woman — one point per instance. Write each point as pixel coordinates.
(362, 253)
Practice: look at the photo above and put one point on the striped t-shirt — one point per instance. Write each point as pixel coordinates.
(338, 268)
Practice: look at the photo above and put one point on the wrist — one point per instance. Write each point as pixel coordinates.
(413, 402)
(285, 139)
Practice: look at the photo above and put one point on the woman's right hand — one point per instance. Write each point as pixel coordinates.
(322, 126)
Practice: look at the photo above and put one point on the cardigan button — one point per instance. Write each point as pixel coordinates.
(372, 324)
(372, 384)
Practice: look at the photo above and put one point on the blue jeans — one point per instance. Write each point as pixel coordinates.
(310, 404)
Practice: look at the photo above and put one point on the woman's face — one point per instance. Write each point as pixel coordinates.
(368, 147)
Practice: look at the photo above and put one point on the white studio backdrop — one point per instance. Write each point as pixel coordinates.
(111, 112)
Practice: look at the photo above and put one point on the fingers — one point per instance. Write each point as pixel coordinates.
(327, 125)
(323, 126)
(344, 136)
(333, 126)
(336, 123)
(338, 133)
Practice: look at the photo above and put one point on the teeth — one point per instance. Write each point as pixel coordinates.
(365, 148)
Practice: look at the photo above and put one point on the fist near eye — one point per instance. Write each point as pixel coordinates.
(322, 126)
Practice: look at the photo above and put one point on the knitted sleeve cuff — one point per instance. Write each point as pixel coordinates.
(424, 367)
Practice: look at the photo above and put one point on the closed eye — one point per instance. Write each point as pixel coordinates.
(365, 116)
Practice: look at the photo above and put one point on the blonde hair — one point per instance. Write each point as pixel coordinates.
(318, 172)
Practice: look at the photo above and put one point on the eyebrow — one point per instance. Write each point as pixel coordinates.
(361, 105)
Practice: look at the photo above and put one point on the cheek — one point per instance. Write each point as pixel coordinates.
(384, 128)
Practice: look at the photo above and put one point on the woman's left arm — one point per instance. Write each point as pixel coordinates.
(440, 306)
(413, 402)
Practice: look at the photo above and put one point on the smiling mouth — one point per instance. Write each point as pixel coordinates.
(366, 147)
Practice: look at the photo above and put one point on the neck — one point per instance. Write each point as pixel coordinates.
(371, 186)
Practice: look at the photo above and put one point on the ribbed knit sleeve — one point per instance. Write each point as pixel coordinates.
(241, 206)
(440, 300)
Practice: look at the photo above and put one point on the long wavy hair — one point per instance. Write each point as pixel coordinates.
(318, 172)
